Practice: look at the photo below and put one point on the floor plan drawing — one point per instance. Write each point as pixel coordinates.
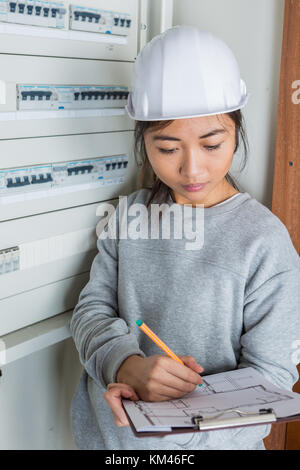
(243, 389)
(249, 397)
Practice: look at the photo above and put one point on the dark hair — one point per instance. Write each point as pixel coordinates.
(160, 190)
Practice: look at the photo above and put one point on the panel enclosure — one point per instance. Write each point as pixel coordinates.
(66, 145)
(51, 190)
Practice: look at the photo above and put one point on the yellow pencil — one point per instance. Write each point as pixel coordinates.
(158, 341)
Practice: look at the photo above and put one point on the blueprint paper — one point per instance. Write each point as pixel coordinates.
(245, 389)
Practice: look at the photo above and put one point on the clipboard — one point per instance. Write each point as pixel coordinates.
(244, 419)
(237, 398)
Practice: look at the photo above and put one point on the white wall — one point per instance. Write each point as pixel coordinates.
(35, 397)
(253, 30)
(160, 16)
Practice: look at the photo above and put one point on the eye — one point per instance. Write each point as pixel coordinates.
(166, 151)
(211, 148)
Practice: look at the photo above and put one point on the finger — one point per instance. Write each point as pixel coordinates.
(191, 362)
(113, 398)
(170, 386)
(121, 420)
(182, 372)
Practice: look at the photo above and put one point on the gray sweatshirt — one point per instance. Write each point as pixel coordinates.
(234, 302)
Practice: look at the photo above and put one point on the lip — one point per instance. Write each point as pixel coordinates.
(194, 187)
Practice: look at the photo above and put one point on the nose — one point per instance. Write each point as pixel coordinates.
(193, 166)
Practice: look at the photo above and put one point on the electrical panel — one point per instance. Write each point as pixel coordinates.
(22, 184)
(99, 29)
(48, 218)
(66, 145)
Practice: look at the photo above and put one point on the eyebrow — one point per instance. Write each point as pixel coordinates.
(209, 134)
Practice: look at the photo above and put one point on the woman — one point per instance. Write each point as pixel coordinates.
(230, 301)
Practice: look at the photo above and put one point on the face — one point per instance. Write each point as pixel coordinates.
(190, 151)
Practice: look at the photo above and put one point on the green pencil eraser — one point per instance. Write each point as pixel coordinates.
(139, 323)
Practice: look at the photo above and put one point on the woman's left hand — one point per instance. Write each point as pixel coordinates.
(113, 396)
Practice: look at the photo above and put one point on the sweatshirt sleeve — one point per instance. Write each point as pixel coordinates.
(272, 327)
(102, 338)
(271, 321)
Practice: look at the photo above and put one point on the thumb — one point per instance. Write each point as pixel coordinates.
(191, 362)
(117, 390)
(130, 393)
(113, 397)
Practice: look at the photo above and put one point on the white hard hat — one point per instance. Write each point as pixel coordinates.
(184, 73)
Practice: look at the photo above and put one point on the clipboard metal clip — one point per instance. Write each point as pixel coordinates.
(265, 415)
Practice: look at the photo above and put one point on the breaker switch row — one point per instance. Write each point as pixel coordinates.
(38, 9)
(25, 180)
(17, 182)
(33, 94)
(42, 178)
(49, 14)
(54, 14)
(122, 22)
(90, 173)
(99, 21)
(101, 94)
(57, 97)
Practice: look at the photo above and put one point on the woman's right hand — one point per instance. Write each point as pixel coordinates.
(160, 378)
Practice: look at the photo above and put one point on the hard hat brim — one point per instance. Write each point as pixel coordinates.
(167, 118)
